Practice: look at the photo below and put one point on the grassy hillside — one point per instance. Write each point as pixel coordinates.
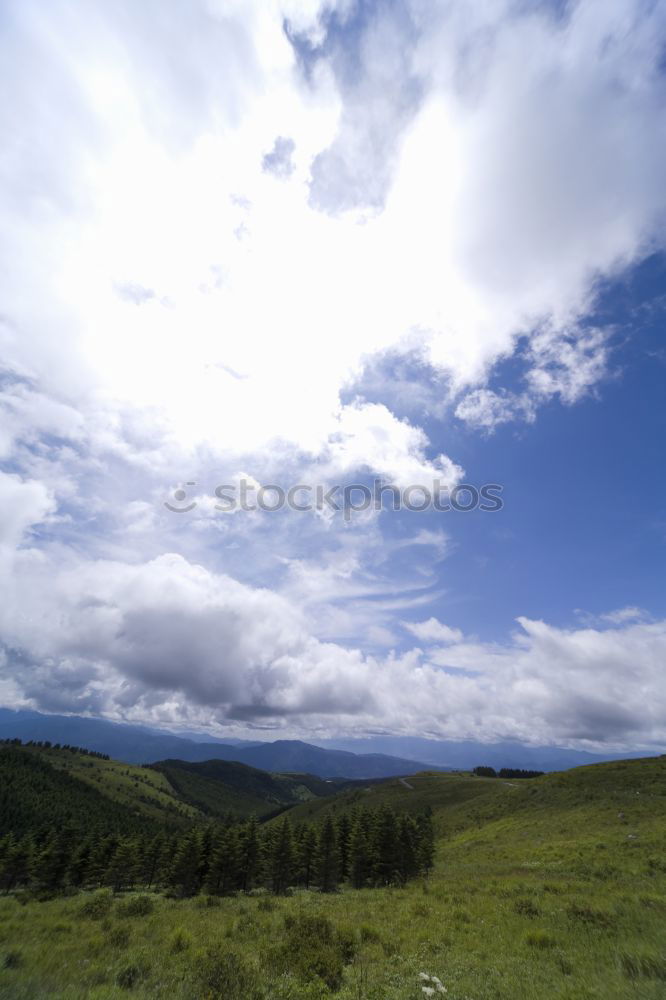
(427, 790)
(217, 787)
(38, 783)
(132, 785)
(548, 889)
(35, 795)
(125, 793)
(606, 820)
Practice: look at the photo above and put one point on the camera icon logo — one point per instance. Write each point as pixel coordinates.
(179, 496)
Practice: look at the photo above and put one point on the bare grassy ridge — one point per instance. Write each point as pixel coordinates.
(555, 888)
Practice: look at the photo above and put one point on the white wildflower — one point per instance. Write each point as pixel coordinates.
(424, 976)
(428, 990)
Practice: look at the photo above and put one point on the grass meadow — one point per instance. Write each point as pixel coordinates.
(553, 889)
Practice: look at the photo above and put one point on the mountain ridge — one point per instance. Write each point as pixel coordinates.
(136, 745)
(365, 757)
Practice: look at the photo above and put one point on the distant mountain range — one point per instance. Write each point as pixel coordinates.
(372, 757)
(465, 754)
(138, 745)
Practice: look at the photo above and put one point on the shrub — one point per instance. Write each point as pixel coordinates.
(604, 872)
(181, 940)
(312, 948)
(207, 902)
(98, 905)
(24, 896)
(246, 923)
(346, 943)
(118, 937)
(527, 908)
(539, 939)
(591, 917)
(226, 974)
(136, 906)
(62, 928)
(130, 975)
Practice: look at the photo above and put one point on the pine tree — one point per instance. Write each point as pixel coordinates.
(123, 867)
(344, 830)
(101, 852)
(280, 857)
(50, 864)
(5, 844)
(425, 853)
(79, 864)
(17, 863)
(206, 846)
(306, 853)
(152, 861)
(328, 858)
(223, 871)
(407, 848)
(360, 861)
(249, 867)
(184, 874)
(386, 847)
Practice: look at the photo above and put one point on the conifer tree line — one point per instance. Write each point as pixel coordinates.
(363, 848)
(47, 745)
(505, 772)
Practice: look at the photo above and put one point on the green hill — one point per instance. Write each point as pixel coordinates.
(35, 795)
(605, 818)
(37, 783)
(636, 788)
(552, 888)
(599, 815)
(432, 790)
(219, 787)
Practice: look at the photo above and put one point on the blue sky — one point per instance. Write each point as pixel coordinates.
(584, 523)
(333, 243)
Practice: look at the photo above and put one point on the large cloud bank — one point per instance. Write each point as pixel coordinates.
(208, 245)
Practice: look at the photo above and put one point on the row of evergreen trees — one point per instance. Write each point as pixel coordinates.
(47, 745)
(505, 772)
(364, 848)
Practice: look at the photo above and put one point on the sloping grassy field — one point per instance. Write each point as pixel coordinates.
(140, 788)
(50, 790)
(552, 888)
(216, 787)
(438, 791)
(170, 794)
